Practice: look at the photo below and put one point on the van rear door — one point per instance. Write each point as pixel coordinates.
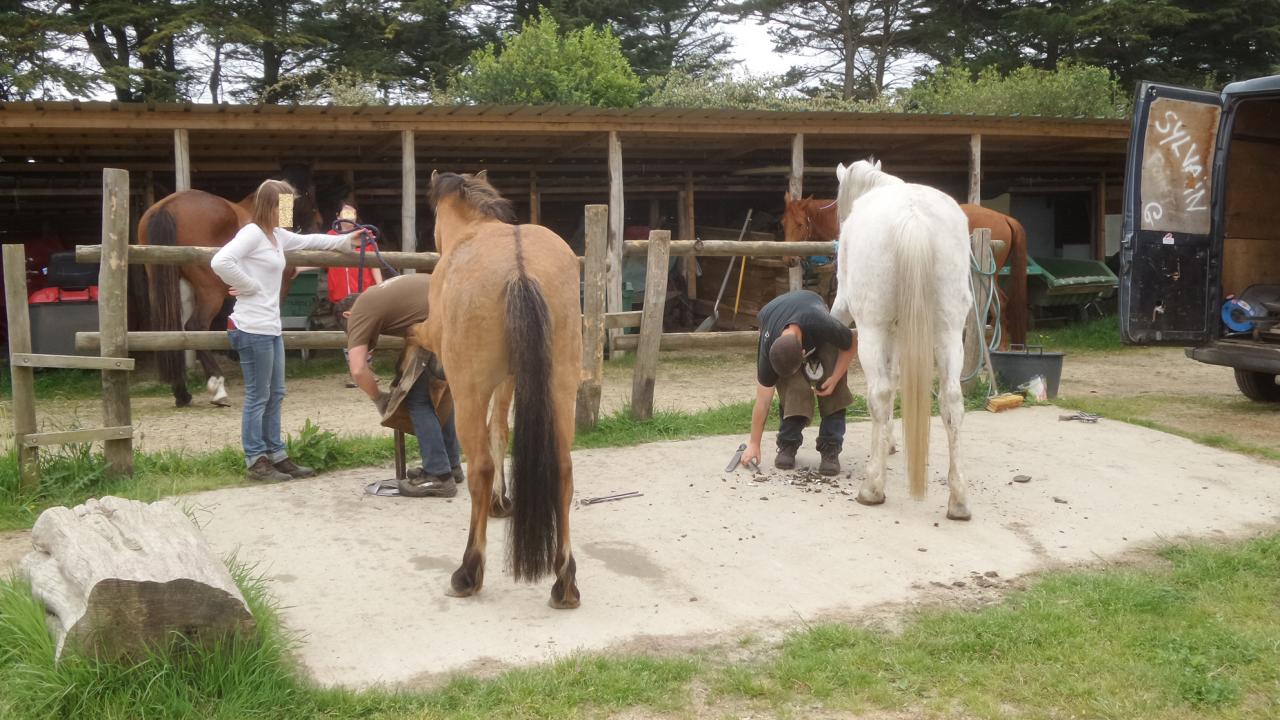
(1166, 246)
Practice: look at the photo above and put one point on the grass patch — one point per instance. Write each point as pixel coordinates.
(56, 384)
(1096, 335)
(1193, 638)
(62, 384)
(1196, 640)
(1166, 412)
(73, 473)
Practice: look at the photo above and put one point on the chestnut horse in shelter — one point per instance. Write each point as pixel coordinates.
(506, 324)
(197, 218)
(814, 220)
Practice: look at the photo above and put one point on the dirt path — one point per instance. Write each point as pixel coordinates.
(686, 382)
(705, 556)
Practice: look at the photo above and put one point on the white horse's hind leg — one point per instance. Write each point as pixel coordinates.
(950, 359)
(875, 355)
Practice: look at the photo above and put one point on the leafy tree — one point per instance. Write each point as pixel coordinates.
(539, 66)
(133, 41)
(655, 36)
(863, 39)
(1072, 90)
(721, 88)
(29, 45)
(267, 42)
(1201, 42)
(403, 49)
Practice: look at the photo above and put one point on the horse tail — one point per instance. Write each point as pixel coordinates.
(915, 299)
(164, 294)
(535, 457)
(1017, 310)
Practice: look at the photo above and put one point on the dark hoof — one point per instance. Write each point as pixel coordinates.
(500, 507)
(564, 594)
(182, 401)
(467, 579)
(961, 515)
(565, 599)
(565, 604)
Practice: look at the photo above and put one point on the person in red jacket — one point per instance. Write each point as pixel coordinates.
(344, 281)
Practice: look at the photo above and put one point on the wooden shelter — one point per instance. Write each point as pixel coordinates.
(672, 168)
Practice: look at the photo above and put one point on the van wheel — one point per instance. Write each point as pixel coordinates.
(1258, 386)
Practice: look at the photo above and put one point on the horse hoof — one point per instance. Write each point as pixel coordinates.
(179, 402)
(962, 514)
(870, 500)
(220, 402)
(567, 604)
(455, 592)
(500, 507)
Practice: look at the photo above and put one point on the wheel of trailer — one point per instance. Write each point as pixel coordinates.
(1258, 386)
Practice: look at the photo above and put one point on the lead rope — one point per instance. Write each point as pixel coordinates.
(983, 308)
(374, 234)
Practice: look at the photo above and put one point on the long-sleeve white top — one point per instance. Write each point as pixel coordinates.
(252, 265)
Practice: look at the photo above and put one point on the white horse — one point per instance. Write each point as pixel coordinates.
(904, 280)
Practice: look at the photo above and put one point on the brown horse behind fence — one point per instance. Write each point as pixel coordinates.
(198, 218)
(506, 322)
(816, 220)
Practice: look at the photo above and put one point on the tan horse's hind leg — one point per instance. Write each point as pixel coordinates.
(499, 432)
(473, 436)
(564, 594)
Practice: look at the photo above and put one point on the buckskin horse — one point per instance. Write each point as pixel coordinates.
(904, 279)
(506, 322)
(816, 220)
(197, 218)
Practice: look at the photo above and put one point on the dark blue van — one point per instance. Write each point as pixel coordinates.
(1200, 250)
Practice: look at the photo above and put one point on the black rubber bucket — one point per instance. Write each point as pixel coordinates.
(1019, 364)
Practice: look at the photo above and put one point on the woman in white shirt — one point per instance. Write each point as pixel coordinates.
(252, 264)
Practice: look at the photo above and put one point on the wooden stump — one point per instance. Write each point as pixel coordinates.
(117, 577)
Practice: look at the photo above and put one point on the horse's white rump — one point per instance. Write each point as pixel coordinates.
(904, 279)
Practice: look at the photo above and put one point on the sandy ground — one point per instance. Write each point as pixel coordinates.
(685, 382)
(707, 556)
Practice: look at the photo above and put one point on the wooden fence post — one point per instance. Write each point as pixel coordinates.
(597, 240)
(617, 226)
(655, 301)
(408, 193)
(113, 314)
(975, 336)
(22, 378)
(795, 185)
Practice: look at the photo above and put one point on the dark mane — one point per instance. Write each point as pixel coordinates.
(475, 192)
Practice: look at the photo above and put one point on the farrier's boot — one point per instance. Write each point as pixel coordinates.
(830, 464)
(786, 457)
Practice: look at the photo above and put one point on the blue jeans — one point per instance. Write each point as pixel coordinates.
(262, 362)
(437, 444)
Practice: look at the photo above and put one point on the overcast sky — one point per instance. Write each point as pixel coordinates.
(754, 50)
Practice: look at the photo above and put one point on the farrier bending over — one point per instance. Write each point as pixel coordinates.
(804, 353)
(419, 401)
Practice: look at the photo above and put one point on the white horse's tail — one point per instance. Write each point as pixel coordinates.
(915, 296)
